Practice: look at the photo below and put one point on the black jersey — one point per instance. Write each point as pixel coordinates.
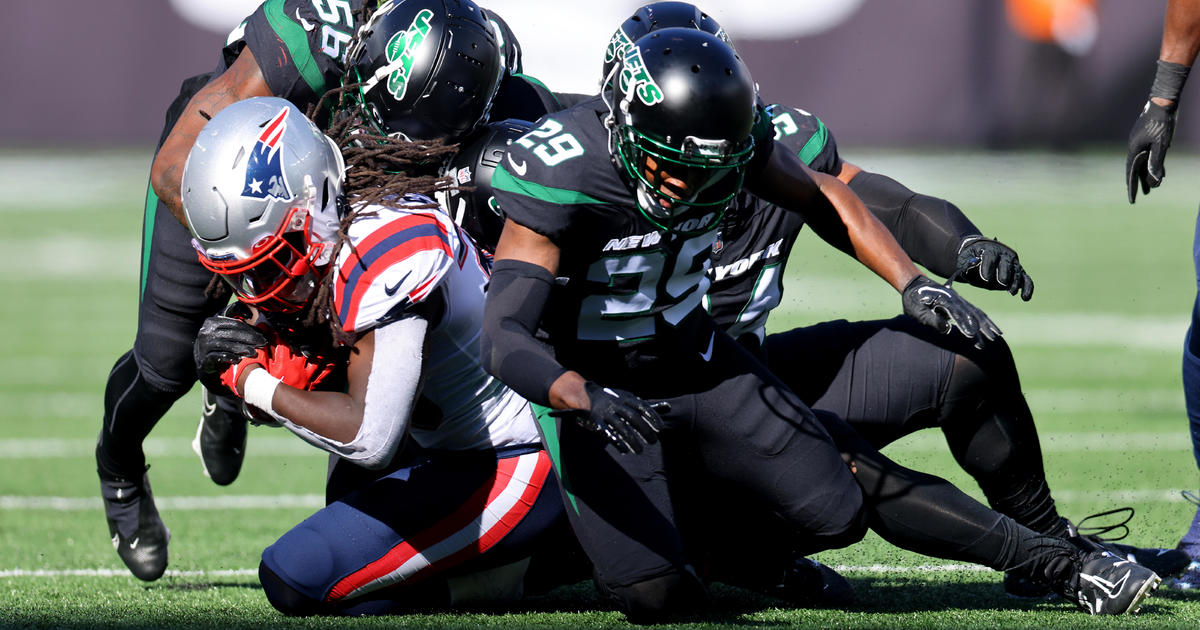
(627, 280)
(300, 45)
(757, 237)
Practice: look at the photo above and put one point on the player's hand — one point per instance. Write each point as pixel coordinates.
(940, 308)
(1148, 143)
(294, 368)
(224, 342)
(990, 264)
(625, 420)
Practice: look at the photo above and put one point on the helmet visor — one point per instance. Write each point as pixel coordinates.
(701, 173)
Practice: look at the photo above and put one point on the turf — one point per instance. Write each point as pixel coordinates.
(1098, 349)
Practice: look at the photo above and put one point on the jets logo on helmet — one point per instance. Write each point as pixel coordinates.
(617, 46)
(635, 75)
(264, 172)
(401, 50)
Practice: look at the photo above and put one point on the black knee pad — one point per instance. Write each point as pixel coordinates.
(286, 599)
(657, 599)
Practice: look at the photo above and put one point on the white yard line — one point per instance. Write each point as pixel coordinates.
(225, 573)
(196, 503)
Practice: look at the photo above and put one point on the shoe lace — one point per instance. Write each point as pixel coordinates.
(1098, 532)
(1191, 497)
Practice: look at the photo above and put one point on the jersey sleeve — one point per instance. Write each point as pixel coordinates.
(393, 262)
(301, 45)
(806, 136)
(548, 186)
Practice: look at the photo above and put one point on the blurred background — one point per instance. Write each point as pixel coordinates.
(934, 73)
(1015, 110)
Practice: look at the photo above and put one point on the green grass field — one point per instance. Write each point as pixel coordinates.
(1098, 349)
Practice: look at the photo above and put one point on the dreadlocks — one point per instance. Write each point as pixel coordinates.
(380, 170)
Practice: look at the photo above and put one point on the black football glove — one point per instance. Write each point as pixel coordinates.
(1148, 143)
(223, 341)
(940, 308)
(990, 264)
(625, 420)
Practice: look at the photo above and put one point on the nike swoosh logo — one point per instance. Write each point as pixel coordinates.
(1111, 589)
(209, 405)
(518, 169)
(134, 543)
(395, 287)
(308, 26)
(707, 354)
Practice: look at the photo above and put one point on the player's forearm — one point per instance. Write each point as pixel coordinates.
(870, 241)
(332, 415)
(516, 297)
(1181, 32)
(242, 80)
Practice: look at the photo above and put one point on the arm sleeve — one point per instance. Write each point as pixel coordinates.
(393, 386)
(929, 229)
(515, 299)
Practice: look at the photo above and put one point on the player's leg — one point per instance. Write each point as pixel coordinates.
(420, 537)
(928, 515)
(930, 380)
(148, 379)
(1190, 542)
(620, 508)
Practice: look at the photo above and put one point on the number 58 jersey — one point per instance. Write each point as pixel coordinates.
(404, 260)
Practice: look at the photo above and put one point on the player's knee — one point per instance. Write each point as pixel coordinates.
(296, 572)
(851, 528)
(284, 597)
(658, 599)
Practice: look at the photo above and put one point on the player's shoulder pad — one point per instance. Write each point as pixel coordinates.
(394, 258)
(561, 151)
(798, 130)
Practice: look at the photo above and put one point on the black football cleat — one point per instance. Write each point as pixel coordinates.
(138, 532)
(1110, 585)
(1018, 586)
(810, 584)
(220, 439)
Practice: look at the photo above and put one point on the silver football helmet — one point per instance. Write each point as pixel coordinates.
(261, 190)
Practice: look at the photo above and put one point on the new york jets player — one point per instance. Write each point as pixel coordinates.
(407, 293)
(612, 210)
(294, 49)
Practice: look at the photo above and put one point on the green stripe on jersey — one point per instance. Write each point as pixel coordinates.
(553, 448)
(502, 180)
(816, 143)
(296, 40)
(147, 236)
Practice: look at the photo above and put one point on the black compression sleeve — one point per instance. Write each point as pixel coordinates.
(516, 296)
(929, 229)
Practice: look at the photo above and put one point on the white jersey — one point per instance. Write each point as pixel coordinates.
(395, 259)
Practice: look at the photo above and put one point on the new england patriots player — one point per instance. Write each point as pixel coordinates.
(1149, 140)
(294, 49)
(613, 207)
(262, 194)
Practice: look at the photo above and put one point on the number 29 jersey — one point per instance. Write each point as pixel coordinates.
(623, 280)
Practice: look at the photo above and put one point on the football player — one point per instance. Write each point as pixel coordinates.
(455, 523)
(613, 207)
(294, 49)
(1149, 140)
(972, 393)
(931, 379)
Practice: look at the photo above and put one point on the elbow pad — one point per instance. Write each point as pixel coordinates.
(516, 296)
(928, 228)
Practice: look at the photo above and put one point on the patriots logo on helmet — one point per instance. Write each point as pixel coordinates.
(264, 170)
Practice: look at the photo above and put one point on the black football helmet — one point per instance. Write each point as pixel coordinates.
(427, 69)
(652, 17)
(682, 109)
(470, 201)
(509, 46)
